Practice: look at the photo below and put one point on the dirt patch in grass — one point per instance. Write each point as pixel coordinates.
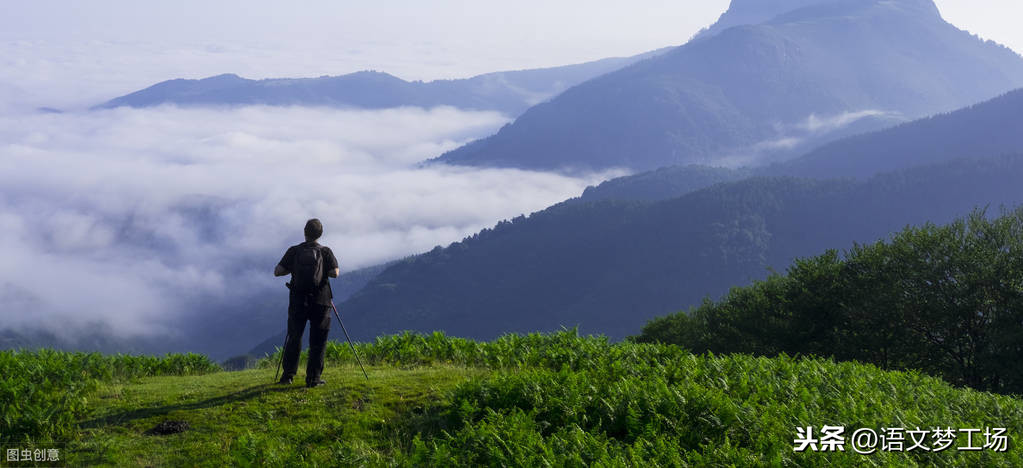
(169, 427)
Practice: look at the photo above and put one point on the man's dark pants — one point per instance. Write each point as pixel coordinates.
(318, 317)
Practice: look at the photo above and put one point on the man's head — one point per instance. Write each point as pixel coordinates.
(313, 229)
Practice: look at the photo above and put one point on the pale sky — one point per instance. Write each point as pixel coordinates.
(60, 53)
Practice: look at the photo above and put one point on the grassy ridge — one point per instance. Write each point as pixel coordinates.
(513, 351)
(43, 392)
(533, 400)
(241, 419)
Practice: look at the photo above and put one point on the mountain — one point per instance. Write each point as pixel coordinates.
(988, 128)
(992, 127)
(608, 266)
(743, 12)
(510, 92)
(762, 92)
(663, 183)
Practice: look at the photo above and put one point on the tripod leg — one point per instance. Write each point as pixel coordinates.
(356, 353)
(287, 336)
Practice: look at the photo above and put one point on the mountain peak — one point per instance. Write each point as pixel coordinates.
(223, 77)
(757, 93)
(743, 12)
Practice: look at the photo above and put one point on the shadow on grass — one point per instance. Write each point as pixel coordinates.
(427, 420)
(143, 413)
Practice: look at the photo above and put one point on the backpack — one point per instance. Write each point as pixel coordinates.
(307, 271)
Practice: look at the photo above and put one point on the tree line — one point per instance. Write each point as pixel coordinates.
(947, 300)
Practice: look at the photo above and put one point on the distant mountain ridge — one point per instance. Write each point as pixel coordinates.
(931, 181)
(755, 93)
(609, 266)
(745, 233)
(992, 127)
(509, 92)
(637, 246)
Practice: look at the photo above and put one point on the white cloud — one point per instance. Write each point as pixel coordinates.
(795, 138)
(819, 124)
(137, 215)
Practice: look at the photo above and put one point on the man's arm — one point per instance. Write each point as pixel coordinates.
(289, 256)
(333, 269)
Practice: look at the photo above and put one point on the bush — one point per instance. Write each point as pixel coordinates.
(947, 300)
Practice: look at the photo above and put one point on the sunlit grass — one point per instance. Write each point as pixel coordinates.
(535, 400)
(241, 417)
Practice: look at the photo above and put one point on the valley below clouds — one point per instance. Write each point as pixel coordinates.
(144, 223)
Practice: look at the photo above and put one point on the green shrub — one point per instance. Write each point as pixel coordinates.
(947, 300)
(703, 410)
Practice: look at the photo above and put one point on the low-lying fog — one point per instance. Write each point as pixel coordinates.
(130, 220)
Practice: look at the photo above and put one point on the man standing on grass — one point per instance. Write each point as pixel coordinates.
(309, 265)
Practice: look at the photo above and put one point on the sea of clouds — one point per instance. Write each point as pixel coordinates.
(132, 221)
(154, 223)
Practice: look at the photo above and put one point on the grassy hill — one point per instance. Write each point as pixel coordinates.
(520, 400)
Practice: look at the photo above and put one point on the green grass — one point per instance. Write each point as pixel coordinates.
(241, 419)
(43, 392)
(536, 400)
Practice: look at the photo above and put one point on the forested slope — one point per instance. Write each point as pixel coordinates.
(609, 266)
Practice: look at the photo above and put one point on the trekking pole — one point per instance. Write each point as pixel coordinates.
(286, 338)
(356, 353)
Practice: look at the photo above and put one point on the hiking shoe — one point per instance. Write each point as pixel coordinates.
(286, 381)
(316, 383)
